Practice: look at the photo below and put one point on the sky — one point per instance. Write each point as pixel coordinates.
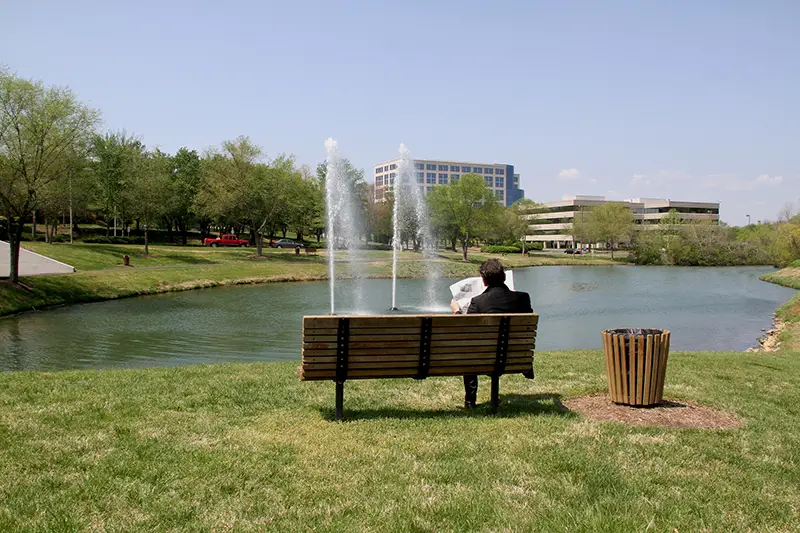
(687, 100)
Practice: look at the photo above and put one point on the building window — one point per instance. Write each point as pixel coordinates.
(419, 166)
(391, 181)
(443, 167)
(430, 166)
(466, 169)
(499, 182)
(427, 190)
(488, 170)
(393, 167)
(442, 179)
(420, 174)
(454, 178)
(488, 180)
(431, 178)
(499, 194)
(379, 180)
(455, 168)
(392, 175)
(477, 170)
(500, 171)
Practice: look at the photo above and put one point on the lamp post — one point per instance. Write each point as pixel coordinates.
(748, 219)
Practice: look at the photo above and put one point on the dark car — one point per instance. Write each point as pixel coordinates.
(576, 251)
(287, 243)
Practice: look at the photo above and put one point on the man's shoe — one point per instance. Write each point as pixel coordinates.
(469, 404)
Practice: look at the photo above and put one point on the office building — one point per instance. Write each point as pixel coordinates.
(553, 225)
(430, 173)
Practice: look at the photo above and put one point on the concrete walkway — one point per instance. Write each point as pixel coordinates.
(30, 263)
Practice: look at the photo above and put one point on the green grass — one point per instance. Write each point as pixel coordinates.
(247, 447)
(789, 312)
(101, 275)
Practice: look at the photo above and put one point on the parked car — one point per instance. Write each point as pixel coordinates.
(576, 251)
(287, 243)
(225, 240)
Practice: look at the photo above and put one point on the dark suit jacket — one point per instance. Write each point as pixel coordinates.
(500, 299)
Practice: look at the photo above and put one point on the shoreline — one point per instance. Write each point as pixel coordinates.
(165, 270)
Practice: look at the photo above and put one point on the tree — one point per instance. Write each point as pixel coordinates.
(38, 126)
(115, 158)
(148, 186)
(239, 188)
(356, 186)
(788, 241)
(465, 207)
(512, 222)
(185, 183)
(611, 222)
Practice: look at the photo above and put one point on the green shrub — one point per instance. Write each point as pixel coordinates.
(795, 263)
(501, 249)
(97, 239)
(538, 246)
(375, 246)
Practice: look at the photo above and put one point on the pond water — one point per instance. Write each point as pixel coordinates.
(705, 308)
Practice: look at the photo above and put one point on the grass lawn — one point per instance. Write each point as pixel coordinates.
(101, 276)
(788, 313)
(248, 447)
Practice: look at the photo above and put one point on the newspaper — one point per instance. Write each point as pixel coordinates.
(467, 289)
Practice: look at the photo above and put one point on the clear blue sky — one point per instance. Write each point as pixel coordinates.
(681, 99)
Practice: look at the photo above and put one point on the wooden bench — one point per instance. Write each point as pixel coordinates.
(339, 348)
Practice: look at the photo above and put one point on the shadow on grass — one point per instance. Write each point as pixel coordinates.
(511, 405)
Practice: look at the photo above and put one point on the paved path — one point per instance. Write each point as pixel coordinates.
(30, 263)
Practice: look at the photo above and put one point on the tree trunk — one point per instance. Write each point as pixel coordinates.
(464, 245)
(183, 232)
(612, 249)
(284, 232)
(259, 244)
(169, 231)
(146, 242)
(14, 238)
(33, 226)
(46, 231)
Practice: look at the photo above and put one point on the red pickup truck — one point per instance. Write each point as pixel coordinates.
(225, 240)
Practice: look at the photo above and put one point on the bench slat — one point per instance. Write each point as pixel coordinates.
(388, 361)
(356, 332)
(435, 343)
(387, 337)
(413, 357)
(312, 375)
(412, 351)
(331, 365)
(409, 321)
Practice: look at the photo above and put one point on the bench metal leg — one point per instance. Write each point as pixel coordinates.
(495, 393)
(339, 401)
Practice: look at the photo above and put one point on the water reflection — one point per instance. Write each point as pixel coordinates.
(706, 309)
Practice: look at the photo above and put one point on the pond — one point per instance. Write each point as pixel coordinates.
(705, 308)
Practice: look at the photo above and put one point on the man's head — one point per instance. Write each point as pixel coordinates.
(492, 273)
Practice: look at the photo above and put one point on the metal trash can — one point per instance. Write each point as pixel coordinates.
(636, 362)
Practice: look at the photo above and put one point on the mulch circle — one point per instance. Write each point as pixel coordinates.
(668, 414)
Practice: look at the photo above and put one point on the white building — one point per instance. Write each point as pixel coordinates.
(432, 172)
(553, 225)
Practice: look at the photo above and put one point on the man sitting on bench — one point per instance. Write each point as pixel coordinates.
(497, 298)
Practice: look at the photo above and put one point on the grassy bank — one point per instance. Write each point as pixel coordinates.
(788, 313)
(101, 276)
(249, 447)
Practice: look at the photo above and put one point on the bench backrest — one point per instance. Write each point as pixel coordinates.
(416, 346)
